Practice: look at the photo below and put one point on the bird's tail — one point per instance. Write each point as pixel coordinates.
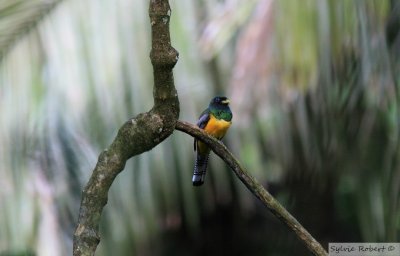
(200, 169)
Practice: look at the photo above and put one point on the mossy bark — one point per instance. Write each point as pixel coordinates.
(136, 136)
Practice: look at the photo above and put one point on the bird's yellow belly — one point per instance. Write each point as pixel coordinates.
(217, 127)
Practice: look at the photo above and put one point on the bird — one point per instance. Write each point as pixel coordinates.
(215, 120)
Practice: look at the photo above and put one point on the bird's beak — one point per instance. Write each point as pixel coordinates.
(226, 102)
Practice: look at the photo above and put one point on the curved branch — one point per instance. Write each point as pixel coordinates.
(136, 136)
(252, 184)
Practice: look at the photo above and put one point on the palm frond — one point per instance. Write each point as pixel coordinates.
(19, 17)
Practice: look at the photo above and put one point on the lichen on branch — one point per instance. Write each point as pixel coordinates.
(136, 135)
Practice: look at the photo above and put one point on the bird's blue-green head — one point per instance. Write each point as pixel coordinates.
(219, 107)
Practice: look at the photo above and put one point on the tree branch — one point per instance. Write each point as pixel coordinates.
(136, 136)
(255, 188)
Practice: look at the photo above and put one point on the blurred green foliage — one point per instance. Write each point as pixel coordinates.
(314, 88)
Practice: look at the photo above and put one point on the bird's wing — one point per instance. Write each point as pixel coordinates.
(202, 122)
(203, 119)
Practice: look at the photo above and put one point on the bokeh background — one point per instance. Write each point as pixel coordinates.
(314, 86)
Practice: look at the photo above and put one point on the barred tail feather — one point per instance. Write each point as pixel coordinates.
(200, 169)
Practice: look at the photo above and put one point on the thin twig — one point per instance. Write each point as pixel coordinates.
(255, 188)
